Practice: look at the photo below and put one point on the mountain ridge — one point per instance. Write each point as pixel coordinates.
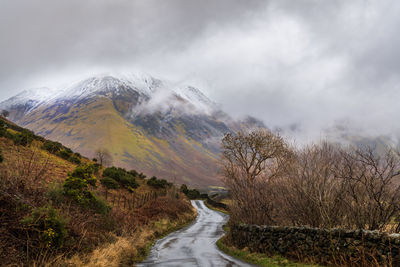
(172, 131)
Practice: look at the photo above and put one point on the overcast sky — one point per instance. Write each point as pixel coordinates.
(309, 63)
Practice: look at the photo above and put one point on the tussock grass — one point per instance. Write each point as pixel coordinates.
(128, 250)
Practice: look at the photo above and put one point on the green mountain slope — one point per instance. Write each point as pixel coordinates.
(153, 126)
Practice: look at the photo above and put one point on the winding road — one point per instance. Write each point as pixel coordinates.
(194, 245)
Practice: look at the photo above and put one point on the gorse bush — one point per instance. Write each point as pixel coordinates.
(63, 154)
(76, 186)
(86, 172)
(74, 160)
(158, 183)
(52, 147)
(134, 173)
(124, 178)
(115, 173)
(128, 181)
(62, 151)
(109, 183)
(24, 138)
(184, 189)
(47, 226)
(192, 193)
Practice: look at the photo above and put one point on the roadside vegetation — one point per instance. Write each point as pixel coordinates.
(320, 185)
(59, 208)
(258, 258)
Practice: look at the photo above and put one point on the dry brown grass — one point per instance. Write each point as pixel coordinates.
(57, 168)
(133, 247)
(118, 239)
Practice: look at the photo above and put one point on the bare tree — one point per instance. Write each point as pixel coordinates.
(320, 185)
(250, 161)
(310, 194)
(372, 184)
(103, 156)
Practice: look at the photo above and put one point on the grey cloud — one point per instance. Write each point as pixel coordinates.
(309, 63)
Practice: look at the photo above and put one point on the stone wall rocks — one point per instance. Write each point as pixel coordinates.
(332, 247)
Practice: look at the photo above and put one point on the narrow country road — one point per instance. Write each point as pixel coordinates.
(194, 245)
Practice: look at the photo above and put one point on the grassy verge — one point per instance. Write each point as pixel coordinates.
(129, 250)
(258, 258)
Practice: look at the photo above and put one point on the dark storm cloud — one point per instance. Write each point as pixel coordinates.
(309, 63)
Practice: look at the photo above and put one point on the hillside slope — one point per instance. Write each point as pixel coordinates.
(60, 209)
(154, 126)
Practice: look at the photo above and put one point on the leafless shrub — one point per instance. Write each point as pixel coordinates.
(372, 188)
(321, 185)
(309, 193)
(103, 156)
(250, 163)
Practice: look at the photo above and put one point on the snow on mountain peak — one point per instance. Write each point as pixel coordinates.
(32, 97)
(157, 94)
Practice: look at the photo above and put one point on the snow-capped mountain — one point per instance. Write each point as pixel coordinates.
(31, 98)
(145, 86)
(162, 128)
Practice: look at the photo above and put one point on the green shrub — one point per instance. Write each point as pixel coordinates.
(120, 175)
(47, 225)
(75, 160)
(115, 173)
(128, 181)
(184, 189)
(158, 183)
(193, 194)
(86, 172)
(24, 138)
(76, 186)
(64, 154)
(52, 147)
(109, 183)
(77, 189)
(134, 173)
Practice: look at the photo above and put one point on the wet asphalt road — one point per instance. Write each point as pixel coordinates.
(194, 245)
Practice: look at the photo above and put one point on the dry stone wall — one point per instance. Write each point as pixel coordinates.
(332, 247)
